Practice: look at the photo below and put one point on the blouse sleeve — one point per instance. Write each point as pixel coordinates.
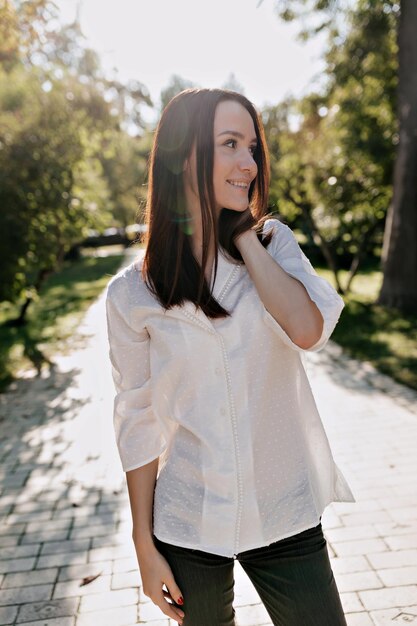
(138, 434)
(285, 250)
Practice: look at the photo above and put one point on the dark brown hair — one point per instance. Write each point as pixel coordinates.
(170, 269)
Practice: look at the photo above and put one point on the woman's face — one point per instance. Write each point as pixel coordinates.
(234, 166)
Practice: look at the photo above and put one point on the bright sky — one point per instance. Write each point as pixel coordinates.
(204, 42)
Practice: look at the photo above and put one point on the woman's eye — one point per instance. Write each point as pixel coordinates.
(233, 142)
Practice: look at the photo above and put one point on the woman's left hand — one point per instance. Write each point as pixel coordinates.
(242, 223)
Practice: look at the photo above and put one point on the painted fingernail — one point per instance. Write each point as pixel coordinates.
(180, 600)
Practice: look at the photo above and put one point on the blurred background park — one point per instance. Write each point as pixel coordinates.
(336, 85)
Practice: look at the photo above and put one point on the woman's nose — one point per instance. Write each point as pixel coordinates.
(248, 163)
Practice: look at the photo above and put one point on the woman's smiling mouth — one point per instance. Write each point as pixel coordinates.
(238, 184)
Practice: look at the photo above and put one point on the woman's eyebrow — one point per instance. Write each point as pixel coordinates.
(236, 133)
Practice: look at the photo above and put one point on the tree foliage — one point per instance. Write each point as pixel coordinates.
(334, 172)
(175, 86)
(71, 147)
(51, 185)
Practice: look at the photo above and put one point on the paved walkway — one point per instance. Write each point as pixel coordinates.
(66, 557)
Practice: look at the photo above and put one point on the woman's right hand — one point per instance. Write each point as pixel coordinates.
(155, 572)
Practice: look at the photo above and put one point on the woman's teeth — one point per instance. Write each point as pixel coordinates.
(240, 185)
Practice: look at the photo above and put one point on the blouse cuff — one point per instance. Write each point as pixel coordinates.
(128, 467)
(328, 301)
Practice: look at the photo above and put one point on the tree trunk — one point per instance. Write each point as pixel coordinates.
(305, 208)
(41, 277)
(399, 252)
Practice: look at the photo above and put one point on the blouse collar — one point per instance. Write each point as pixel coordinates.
(227, 272)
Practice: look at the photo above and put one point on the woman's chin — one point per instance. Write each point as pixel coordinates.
(235, 207)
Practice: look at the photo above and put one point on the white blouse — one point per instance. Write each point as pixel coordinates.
(226, 403)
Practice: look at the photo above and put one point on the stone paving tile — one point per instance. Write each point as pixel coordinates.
(398, 576)
(393, 503)
(57, 621)
(359, 619)
(30, 578)
(129, 564)
(351, 533)
(389, 560)
(32, 507)
(19, 595)
(8, 541)
(252, 614)
(69, 546)
(113, 552)
(120, 616)
(92, 532)
(18, 520)
(50, 526)
(72, 588)
(388, 597)
(125, 580)
(5, 509)
(369, 517)
(16, 479)
(85, 513)
(395, 528)
(114, 540)
(407, 614)
(402, 542)
(362, 546)
(157, 622)
(8, 614)
(78, 572)
(59, 560)
(97, 601)
(56, 536)
(11, 529)
(148, 611)
(404, 514)
(358, 581)
(17, 565)
(351, 602)
(349, 565)
(45, 611)
(103, 518)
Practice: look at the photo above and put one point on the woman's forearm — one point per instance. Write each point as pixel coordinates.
(285, 297)
(141, 485)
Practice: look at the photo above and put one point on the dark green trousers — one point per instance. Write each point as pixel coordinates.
(293, 578)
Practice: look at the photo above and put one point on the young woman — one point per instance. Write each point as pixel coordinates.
(224, 450)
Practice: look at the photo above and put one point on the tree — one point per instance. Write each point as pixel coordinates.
(72, 151)
(399, 254)
(233, 84)
(175, 86)
(70, 142)
(51, 185)
(333, 174)
(66, 49)
(23, 27)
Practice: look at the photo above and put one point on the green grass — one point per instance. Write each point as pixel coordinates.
(52, 319)
(370, 332)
